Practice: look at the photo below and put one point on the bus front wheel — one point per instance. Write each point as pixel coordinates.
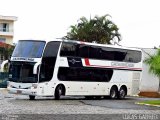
(31, 97)
(58, 92)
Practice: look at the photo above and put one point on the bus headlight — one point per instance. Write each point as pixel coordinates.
(9, 85)
(34, 86)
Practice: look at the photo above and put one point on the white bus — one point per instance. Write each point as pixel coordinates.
(73, 68)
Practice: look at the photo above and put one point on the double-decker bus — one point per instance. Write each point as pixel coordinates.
(73, 68)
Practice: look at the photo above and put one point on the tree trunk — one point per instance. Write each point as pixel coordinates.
(159, 86)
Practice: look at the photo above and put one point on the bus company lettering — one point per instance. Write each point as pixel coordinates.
(22, 59)
(119, 64)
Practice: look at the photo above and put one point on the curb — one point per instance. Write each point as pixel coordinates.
(155, 94)
(147, 104)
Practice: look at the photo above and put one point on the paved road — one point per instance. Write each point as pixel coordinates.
(17, 107)
(128, 103)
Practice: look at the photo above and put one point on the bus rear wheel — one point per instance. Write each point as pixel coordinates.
(122, 93)
(113, 93)
(58, 92)
(31, 97)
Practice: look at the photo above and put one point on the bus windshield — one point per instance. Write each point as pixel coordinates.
(29, 49)
(22, 72)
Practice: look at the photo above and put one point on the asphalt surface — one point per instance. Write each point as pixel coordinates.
(18, 107)
(127, 103)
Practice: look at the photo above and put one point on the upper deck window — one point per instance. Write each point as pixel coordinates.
(70, 49)
(30, 49)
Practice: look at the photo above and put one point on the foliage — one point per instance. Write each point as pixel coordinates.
(154, 63)
(151, 102)
(6, 51)
(99, 30)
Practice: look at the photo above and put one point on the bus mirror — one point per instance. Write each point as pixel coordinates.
(9, 60)
(3, 65)
(35, 68)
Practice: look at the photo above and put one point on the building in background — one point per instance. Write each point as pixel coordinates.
(6, 43)
(6, 35)
(150, 84)
(7, 29)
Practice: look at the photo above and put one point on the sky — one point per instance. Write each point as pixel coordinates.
(138, 20)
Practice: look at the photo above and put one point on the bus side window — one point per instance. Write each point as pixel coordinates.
(68, 49)
(82, 51)
(94, 52)
(48, 61)
(84, 74)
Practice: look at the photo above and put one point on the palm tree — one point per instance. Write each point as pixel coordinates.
(98, 29)
(154, 64)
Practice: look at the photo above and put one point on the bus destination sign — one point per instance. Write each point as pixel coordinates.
(22, 59)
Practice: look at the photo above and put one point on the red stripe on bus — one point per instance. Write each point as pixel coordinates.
(87, 62)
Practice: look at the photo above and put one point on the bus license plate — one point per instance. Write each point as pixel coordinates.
(19, 91)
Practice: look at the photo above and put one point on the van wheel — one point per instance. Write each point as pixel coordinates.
(122, 93)
(31, 97)
(58, 92)
(113, 93)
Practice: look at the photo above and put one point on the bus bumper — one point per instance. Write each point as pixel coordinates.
(22, 91)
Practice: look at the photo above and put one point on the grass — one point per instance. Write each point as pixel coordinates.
(150, 102)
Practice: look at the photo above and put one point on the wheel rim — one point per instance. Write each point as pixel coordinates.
(113, 94)
(122, 93)
(60, 91)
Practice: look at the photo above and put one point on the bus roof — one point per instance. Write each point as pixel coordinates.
(86, 43)
(101, 45)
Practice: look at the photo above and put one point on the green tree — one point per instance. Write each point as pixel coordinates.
(99, 30)
(154, 64)
(6, 52)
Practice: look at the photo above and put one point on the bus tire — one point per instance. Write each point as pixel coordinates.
(113, 92)
(31, 97)
(58, 92)
(122, 93)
